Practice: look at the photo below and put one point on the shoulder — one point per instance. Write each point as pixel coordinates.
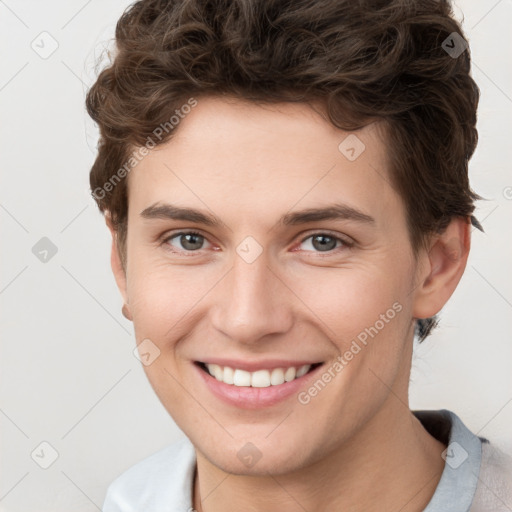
(161, 481)
(494, 491)
(477, 476)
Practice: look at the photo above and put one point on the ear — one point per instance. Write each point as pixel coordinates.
(441, 268)
(116, 263)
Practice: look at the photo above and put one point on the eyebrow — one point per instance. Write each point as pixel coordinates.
(336, 211)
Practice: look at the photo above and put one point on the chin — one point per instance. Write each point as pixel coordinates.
(259, 457)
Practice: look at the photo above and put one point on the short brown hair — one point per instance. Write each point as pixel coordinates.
(365, 60)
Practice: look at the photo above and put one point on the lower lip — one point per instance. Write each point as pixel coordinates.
(246, 397)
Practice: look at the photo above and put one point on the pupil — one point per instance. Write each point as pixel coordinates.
(190, 245)
(324, 246)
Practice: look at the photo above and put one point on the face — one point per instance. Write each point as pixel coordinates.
(267, 283)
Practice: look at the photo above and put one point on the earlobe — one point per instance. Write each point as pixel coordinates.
(126, 312)
(442, 268)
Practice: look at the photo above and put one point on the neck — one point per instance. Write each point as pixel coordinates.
(391, 464)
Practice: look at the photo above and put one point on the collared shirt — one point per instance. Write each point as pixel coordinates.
(476, 477)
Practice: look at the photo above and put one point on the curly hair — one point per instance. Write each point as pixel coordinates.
(365, 60)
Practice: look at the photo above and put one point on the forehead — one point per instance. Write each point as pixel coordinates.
(247, 159)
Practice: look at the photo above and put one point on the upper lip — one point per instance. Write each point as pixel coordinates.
(251, 366)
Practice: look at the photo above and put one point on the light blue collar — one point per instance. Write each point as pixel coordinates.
(457, 487)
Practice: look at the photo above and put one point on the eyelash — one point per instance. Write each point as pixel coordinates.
(347, 244)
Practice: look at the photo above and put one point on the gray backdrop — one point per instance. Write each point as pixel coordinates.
(69, 378)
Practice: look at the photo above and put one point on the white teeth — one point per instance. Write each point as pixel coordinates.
(277, 377)
(303, 370)
(241, 378)
(228, 375)
(217, 371)
(257, 379)
(260, 379)
(289, 374)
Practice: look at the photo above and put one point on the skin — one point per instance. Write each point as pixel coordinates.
(356, 445)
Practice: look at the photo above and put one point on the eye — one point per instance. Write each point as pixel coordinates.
(325, 242)
(187, 241)
(193, 241)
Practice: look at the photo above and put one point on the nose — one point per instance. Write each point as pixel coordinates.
(252, 302)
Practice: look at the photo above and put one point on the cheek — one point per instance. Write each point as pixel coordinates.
(366, 313)
(164, 299)
(163, 312)
(351, 301)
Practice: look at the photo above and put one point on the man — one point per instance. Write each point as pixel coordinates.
(286, 186)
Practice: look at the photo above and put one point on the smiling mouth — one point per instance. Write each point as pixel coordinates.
(257, 379)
